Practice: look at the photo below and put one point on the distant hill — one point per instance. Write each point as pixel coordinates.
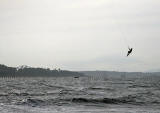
(26, 71)
(119, 74)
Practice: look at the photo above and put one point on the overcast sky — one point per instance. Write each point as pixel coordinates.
(81, 34)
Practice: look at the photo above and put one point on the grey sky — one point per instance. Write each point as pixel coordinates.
(80, 34)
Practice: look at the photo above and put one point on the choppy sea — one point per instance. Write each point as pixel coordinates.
(80, 95)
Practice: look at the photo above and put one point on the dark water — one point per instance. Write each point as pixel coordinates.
(80, 95)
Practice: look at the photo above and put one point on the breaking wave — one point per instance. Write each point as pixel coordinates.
(130, 99)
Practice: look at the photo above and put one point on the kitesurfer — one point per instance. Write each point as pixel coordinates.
(130, 51)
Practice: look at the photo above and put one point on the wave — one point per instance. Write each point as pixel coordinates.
(105, 100)
(31, 102)
(130, 99)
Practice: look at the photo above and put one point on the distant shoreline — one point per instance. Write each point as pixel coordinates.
(119, 74)
(26, 71)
